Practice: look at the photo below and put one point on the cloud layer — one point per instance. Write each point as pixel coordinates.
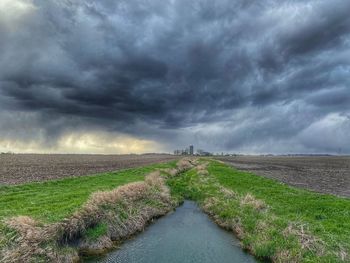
(249, 76)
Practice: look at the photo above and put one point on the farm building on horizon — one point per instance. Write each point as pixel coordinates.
(190, 151)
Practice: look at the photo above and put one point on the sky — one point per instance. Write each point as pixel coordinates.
(240, 76)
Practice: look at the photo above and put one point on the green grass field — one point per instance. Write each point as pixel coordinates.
(322, 221)
(52, 201)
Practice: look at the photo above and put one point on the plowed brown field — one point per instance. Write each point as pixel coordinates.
(325, 174)
(21, 168)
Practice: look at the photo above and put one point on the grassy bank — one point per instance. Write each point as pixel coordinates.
(38, 219)
(54, 200)
(274, 221)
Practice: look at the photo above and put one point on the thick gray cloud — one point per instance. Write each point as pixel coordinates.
(250, 76)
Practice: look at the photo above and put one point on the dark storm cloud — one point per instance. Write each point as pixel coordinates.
(225, 74)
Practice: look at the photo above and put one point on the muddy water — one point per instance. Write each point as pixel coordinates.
(187, 235)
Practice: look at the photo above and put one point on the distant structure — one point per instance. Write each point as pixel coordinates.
(190, 151)
(201, 152)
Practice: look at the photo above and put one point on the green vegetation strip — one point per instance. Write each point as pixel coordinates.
(274, 221)
(52, 201)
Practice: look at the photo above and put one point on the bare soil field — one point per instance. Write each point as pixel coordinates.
(325, 174)
(23, 168)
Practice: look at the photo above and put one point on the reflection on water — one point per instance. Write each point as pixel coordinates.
(187, 235)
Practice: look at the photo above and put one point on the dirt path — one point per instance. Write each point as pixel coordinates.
(325, 174)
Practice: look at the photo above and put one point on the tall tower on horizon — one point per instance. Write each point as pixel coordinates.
(191, 149)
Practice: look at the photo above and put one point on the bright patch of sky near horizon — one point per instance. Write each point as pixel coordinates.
(83, 143)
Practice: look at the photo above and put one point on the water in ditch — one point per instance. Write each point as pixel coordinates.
(186, 235)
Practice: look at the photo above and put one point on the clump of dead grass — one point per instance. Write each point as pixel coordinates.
(100, 245)
(181, 166)
(228, 193)
(185, 164)
(30, 237)
(202, 169)
(132, 191)
(172, 172)
(250, 200)
(30, 242)
(343, 254)
(209, 204)
(306, 240)
(287, 256)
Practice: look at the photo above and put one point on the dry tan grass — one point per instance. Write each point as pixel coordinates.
(306, 240)
(181, 166)
(185, 164)
(30, 237)
(209, 203)
(250, 200)
(31, 240)
(154, 179)
(132, 191)
(286, 256)
(100, 245)
(172, 172)
(238, 229)
(202, 169)
(228, 193)
(343, 254)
